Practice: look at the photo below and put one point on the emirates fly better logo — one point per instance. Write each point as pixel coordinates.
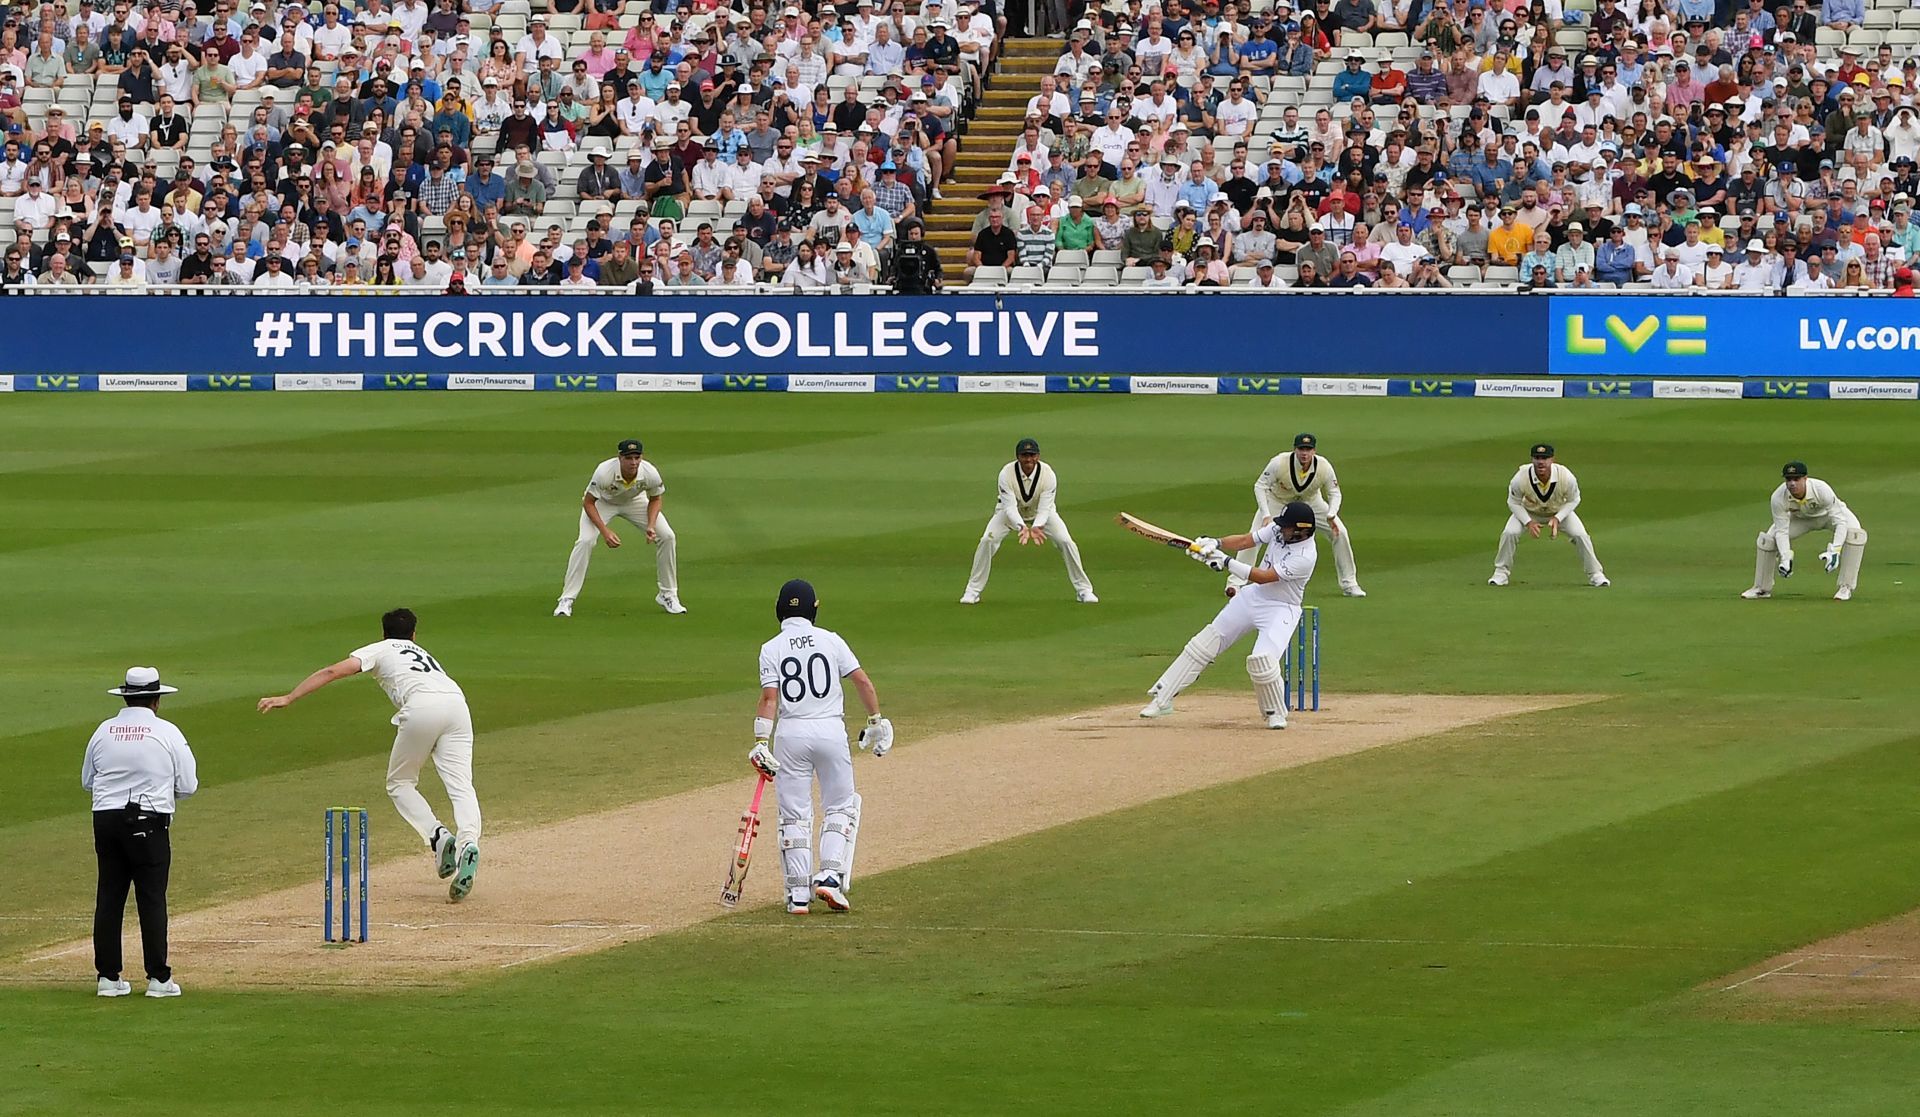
(1683, 333)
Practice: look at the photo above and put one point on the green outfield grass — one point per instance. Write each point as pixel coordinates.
(1515, 921)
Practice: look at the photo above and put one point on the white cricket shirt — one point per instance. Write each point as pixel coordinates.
(406, 672)
(607, 484)
(805, 663)
(137, 756)
(1294, 562)
(1817, 505)
(1528, 496)
(1028, 497)
(1285, 480)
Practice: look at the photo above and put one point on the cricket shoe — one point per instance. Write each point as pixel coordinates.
(1087, 598)
(1352, 591)
(1755, 593)
(1498, 579)
(467, 867)
(1277, 720)
(799, 905)
(564, 609)
(1843, 594)
(1158, 708)
(827, 887)
(110, 987)
(969, 598)
(161, 988)
(1599, 583)
(444, 852)
(670, 602)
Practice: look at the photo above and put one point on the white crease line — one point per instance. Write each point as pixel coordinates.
(555, 953)
(1769, 973)
(1856, 976)
(826, 926)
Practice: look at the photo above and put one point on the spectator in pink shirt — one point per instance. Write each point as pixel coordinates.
(1684, 90)
(598, 57)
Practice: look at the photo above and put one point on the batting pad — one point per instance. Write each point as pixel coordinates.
(1269, 686)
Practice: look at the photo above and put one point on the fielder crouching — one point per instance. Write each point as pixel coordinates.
(800, 673)
(1804, 504)
(1270, 605)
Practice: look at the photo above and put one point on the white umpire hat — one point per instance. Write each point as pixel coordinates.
(143, 680)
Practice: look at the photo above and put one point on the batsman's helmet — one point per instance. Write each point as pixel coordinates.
(1794, 469)
(1296, 514)
(796, 600)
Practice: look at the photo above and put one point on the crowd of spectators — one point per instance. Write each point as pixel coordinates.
(1698, 144)
(466, 144)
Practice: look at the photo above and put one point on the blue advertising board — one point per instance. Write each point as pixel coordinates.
(1470, 345)
(1059, 335)
(1817, 337)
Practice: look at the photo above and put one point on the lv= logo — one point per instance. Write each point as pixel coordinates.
(1636, 337)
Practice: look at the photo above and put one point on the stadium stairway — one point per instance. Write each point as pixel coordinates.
(988, 144)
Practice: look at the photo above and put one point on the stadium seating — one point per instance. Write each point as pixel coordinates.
(1856, 209)
(212, 126)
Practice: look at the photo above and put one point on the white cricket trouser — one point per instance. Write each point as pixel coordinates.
(1251, 610)
(438, 726)
(666, 568)
(1342, 544)
(1848, 535)
(1571, 528)
(809, 749)
(1003, 525)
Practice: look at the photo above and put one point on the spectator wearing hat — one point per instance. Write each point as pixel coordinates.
(1716, 274)
(850, 265)
(1575, 255)
(137, 767)
(1353, 80)
(1164, 274)
(1754, 272)
(1615, 262)
(1510, 240)
(525, 193)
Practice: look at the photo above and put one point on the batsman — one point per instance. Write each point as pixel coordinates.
(1269, 605)
(800, 673)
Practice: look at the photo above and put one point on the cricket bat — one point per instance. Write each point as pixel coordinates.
(743, 849)
(1146, 530)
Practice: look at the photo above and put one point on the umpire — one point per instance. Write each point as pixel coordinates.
(137, 765)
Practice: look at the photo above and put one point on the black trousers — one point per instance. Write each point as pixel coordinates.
(132, 846)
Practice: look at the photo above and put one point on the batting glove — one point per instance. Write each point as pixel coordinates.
(1205, 543)
(877, 736)
(762, 760)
